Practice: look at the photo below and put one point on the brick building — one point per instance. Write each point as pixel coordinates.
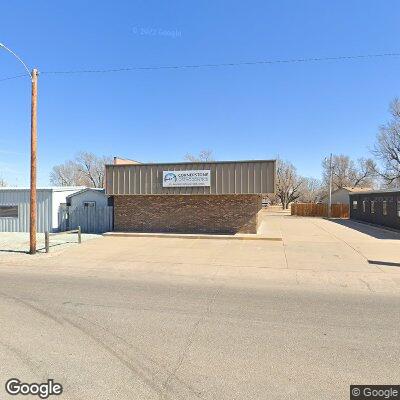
(380, 207)
(209, 197)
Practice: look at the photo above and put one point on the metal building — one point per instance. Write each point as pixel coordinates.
(223, 197)
(14, 208)
(88, 197)
(380, 207)
(90, 209)
(226, 177)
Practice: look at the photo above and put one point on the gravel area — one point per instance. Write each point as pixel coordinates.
(18, 242)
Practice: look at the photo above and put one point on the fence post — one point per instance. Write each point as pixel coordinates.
(46, 241)
(79, 235)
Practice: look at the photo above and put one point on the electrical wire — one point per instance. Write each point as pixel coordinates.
(221, 65)
(13, 77)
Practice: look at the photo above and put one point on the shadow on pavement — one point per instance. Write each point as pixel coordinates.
(13, 251)
(385, 263)
(38, 249)
(371, 230)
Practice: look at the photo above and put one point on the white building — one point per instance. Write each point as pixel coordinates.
(341, 196)
(15, 208)
(88, 197)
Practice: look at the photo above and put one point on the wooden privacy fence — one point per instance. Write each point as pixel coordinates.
(90, 219)
(320, 210)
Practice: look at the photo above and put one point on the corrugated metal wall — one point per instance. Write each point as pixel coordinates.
(236, 177)
(20, 198)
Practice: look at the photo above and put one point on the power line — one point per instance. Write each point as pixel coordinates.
(233, 64)
(13, 77)
(220, 65)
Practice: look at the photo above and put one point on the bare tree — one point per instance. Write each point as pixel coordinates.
(93, 168)
(86, 169)
(346, 172)
(288, 183)
(3, 183)
(387, 147)
(204, 156)
(311, 190)
(67, 174)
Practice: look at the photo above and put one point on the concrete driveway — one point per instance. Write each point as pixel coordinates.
(152, 318)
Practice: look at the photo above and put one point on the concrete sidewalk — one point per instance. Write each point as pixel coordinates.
(314, 253)
(18, 242)
(238, 236)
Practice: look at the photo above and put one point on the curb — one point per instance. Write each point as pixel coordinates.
(191, 236)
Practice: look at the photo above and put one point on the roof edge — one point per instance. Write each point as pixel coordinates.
(50, 189)
(86, 190)
(190, 162)
(380, 191)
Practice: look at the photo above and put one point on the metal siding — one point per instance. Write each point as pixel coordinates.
(21, 199)
(47, 202)
(226, 178)
(238, 180)
(88, 195)
(251, 178)
(245, 179)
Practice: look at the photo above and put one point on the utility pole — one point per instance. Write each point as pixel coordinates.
(330, 187)
(33, 198)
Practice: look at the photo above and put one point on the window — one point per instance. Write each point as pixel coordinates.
(364, 202)
(398, 208)
(354, 204)
(89, 204)
(372, 207)
(8, 211)
(384, 207)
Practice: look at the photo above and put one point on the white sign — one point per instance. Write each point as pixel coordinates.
(190, 178)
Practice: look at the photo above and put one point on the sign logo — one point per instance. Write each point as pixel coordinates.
(190, 178)
(170, 176)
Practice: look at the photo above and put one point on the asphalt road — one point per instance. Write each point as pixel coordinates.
(126, 336)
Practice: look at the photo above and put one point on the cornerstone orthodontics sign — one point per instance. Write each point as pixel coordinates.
(189, 178)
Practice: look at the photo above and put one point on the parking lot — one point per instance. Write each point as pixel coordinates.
(170, 318)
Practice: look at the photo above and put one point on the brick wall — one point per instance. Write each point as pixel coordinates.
(187, 213)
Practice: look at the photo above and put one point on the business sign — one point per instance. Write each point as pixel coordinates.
(191, 178)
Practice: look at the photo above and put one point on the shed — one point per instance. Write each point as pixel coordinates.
(88, 197)
(15, 206)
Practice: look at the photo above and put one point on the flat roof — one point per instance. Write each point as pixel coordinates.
(48, 188)
(189, 162)
(377, 191)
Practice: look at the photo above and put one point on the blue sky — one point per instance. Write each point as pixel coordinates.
(299, 111)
